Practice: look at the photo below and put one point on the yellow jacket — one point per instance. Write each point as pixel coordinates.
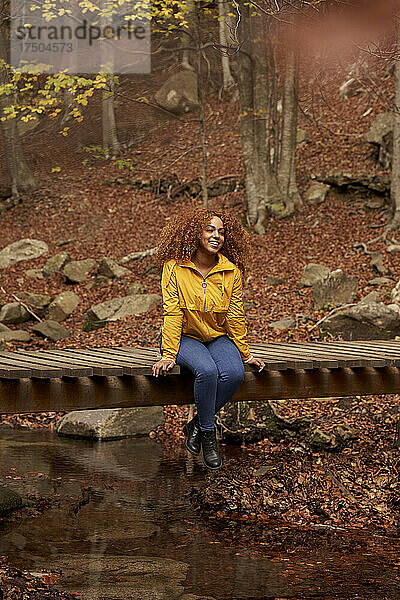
(200, 307)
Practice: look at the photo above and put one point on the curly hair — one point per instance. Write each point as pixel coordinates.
(179, 240)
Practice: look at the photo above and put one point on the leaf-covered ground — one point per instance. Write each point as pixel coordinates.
(80, 209)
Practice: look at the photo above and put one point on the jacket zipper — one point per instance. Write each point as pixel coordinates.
(204, 285)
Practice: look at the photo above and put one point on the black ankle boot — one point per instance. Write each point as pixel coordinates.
(211, 457)
(192, 432)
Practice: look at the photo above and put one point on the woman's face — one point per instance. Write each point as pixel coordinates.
(213, 236)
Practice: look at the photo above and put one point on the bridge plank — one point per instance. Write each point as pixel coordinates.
(100, 366)
(8, 359)
(345, 357)
(70, 368)
(370, 357)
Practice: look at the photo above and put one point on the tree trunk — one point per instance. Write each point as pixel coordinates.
(111, 144)
(227, 78)
(287, 166)
(22, 179)
(203, 175)
(187, 36)
(395, 181)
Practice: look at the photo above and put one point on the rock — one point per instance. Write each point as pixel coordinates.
(134, 289)
(313, 273)
(63, 305)
(56, 263)
(364, 321)
(301, 136)
(344, 433)
(358, 181)
(77, 271)
(377, 263)
(34, 273)
(109, 268)
(22, 250)
(51, 330)
(179, 93)
(106, 424)
(320, 440)
(38, 302)
(381, 135)
(373, 297)
(282, 324)
(16, 335)
(336, 288)
(249, 422)
(14, 313)
(9, 500)
(152, 270)
(4, 328)
(2, 345)
(100, 281)
(395, 294)
(60, 243)
(117, 308)
(271, 280)
(379, 281)
(393, 248)
(316, 193)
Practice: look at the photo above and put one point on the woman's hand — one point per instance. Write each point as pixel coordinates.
(163, 365)
(257, 362)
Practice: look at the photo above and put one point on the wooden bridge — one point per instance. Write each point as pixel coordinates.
(73, 379)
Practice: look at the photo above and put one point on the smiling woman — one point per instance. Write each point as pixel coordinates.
(203, 326)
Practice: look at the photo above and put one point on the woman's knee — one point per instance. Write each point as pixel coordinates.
(207, 372)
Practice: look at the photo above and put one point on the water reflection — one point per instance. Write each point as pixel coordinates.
(125, 529)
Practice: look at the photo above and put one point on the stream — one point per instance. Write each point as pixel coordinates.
(125, 529)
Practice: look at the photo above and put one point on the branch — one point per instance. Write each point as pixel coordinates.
(138, 255)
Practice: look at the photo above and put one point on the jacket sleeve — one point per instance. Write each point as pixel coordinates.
(172, 314)
(235, 324)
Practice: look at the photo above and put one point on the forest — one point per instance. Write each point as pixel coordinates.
(285, 114)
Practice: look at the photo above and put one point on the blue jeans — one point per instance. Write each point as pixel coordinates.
(218, 370)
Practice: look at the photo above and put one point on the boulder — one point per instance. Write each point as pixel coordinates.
(379, 281)
(56, 263)
(38, 302)
(283, 324)
(393, 248)
(336, 288)
(107, 424)
(16, 335)
(179, 93)
(51, 330)
(316, 193)
(270, 280)
(2, 345)
(22, 250)
(380, 135)
(109, 268)
(301, 136)
(14, 313)
(9, 500)
(364, 321)
(395, 294)
(373, 297)
(134, 289)
(63, 305)
(34, 273)
(77, 271)
(4, 328)
(313, 273)
(117, 308)
(320, 440)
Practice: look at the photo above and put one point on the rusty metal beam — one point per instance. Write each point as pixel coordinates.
(38, 395)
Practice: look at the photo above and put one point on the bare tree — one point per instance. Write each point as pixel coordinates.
(224, 35)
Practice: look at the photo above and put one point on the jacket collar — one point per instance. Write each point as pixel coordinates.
(223, 264)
